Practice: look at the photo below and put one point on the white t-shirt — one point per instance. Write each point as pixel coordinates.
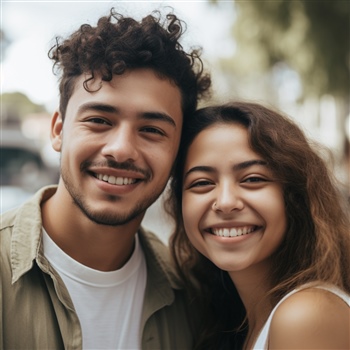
(262, 341)
(108, 304)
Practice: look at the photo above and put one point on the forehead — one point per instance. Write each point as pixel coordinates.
(221, 143)
(226, 135)
(137, 89)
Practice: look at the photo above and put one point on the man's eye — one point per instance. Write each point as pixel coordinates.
(152, 130)
(98, 121)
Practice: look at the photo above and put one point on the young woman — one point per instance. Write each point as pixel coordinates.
(261, 237)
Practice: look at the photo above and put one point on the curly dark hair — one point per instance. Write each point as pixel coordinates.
(120, 43)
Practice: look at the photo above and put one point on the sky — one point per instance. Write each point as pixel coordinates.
(32, 26)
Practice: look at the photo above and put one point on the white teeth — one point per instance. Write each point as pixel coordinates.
(116, 180)
(119, 181)
(233, 232)
(111, 180)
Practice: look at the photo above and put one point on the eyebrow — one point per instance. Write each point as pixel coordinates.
(101, 107)
(236, 167)
(249, 163)
(159, 116)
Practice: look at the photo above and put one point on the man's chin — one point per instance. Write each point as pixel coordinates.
(111, 218)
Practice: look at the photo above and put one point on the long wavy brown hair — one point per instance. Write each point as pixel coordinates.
(317, 242)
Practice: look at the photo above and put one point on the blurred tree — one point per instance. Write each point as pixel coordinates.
(4, 44)
(311, 37)
(276, 39)
(16, 106)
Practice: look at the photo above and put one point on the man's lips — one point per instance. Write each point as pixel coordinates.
(116, 173)
(116, 180)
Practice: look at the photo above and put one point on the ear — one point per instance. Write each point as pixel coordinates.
(56, 131)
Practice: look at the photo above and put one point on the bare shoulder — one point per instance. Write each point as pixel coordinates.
(311, 319)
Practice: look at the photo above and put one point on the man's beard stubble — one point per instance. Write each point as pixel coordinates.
(103, 218)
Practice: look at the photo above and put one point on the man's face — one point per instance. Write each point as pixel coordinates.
(118, 144)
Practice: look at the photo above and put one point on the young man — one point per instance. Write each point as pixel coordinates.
(77, 271)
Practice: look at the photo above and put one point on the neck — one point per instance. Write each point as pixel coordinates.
(252, 285)
(100, 247)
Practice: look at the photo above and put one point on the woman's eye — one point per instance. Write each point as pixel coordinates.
(201, 183)
(254, 179)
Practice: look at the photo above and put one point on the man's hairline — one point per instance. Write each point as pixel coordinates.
(77, 78)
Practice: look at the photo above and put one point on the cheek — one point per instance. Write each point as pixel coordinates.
(279, 210)
(275, 215)
(159, 157)
(192, 213)
(185, 212)
(270, 204)
(74, 152)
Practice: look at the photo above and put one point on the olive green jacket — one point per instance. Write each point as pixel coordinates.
(36, 311)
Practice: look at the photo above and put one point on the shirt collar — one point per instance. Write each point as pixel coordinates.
(26, 234)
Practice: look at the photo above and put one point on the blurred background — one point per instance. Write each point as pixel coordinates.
(290, 55)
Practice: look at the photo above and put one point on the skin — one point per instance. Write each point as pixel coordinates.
(227, 185)
(127, 131)
(311, 319)
(222, 170)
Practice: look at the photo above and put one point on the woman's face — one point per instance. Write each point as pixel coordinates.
(233, 207)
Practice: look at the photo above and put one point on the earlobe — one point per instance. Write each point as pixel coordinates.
(56, 131)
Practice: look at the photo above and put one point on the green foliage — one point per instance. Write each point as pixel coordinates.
(312, 37)
(16, 106)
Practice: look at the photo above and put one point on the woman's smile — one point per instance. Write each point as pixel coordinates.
(233, 208)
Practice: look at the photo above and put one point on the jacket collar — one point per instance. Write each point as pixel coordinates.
(162, 282)
(159, 265)
(26, 234)
(26, 246)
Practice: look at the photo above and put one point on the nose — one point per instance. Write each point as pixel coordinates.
(228, 199)
(121, 145)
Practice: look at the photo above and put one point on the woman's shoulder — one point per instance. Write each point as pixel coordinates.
(311, 318)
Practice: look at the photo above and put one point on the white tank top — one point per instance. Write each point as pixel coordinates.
(108, 304)
(262, 341)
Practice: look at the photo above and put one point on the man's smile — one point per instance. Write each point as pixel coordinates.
(116, 180)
